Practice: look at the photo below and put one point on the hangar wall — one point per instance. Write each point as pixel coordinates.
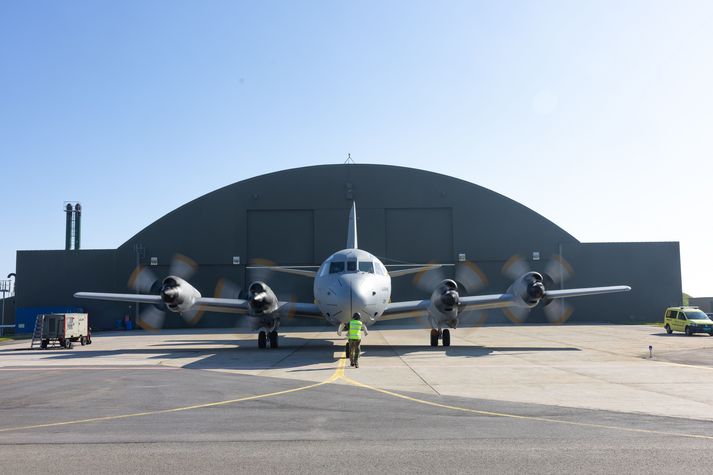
(299, 217)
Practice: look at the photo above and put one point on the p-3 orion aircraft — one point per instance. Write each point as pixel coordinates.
(349, 281)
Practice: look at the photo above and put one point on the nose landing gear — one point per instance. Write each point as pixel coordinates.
(443, 335)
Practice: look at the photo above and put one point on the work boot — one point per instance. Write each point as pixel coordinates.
(356, 364)
(352, 363)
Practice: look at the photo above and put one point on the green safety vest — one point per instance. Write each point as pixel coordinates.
(355, 329)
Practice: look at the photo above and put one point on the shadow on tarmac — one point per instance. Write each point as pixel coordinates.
(293, 352)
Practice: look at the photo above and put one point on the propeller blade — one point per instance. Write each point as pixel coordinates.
(483, 318)
(226, 289)
(183, 267)
(517, 315)
(260, 269)
(470, 276)
(559, 269)
(475, 318)
(428, 280)
(515, 267)
(558, 311)
(142, 279)
(292, 299)
(151, 318)
(193, 316)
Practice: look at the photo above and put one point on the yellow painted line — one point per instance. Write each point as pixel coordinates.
(685, 365)
(521, 417)
(338, 374)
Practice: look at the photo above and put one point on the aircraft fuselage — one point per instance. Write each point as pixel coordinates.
(350, 281)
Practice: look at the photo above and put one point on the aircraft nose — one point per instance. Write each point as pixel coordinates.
(362, 299)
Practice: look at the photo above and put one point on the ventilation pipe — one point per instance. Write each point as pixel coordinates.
(77, 225)
(68, 230)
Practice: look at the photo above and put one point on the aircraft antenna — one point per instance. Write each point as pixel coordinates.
(349, 159)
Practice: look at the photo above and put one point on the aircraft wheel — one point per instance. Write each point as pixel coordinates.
(273, 339)
(446, 339)
(262, 340)
(434, 337)
(668, 329)
(688, 331)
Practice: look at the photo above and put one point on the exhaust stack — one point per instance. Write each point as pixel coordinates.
(72, 233)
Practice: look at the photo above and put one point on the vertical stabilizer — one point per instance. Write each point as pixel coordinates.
(352, 231)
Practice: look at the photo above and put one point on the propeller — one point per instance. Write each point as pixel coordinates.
(255, 295)
(557, 270)
(144, 280)
(259, 269)
(468, 276)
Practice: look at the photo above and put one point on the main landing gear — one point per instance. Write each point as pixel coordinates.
(443, 335)
(263, 337)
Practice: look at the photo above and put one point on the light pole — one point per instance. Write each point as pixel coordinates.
(4, 288)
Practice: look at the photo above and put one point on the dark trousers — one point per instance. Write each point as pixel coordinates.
(354, 350)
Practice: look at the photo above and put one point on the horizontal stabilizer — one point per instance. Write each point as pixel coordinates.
(294, 270)
(413, 270)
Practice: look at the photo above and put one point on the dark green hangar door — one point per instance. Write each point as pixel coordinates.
(416, 232)
(283, 237)
(307, 237)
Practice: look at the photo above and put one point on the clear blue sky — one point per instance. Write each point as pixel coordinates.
(598, 115)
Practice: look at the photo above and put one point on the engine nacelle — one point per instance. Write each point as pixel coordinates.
(445, 302)
(177, 294)
(262, 299)
(528, 290)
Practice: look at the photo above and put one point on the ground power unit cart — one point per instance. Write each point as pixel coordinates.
(63, 329)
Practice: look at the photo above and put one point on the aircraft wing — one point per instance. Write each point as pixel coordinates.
(204, 303)
(419, 308)
(210, 304)
(141, 298)
(305, 271)
(564, 293)
(410, 309)
(299, 310)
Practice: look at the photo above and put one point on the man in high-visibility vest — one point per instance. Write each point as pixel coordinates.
(355, 329)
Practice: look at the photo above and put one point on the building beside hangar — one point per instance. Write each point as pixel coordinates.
(299, 217)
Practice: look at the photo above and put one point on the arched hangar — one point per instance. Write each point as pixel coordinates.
(299, 217)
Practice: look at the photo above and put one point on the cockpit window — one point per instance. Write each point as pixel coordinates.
(336, 267)
(380, 269)
(366, 266)
(351, 266)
